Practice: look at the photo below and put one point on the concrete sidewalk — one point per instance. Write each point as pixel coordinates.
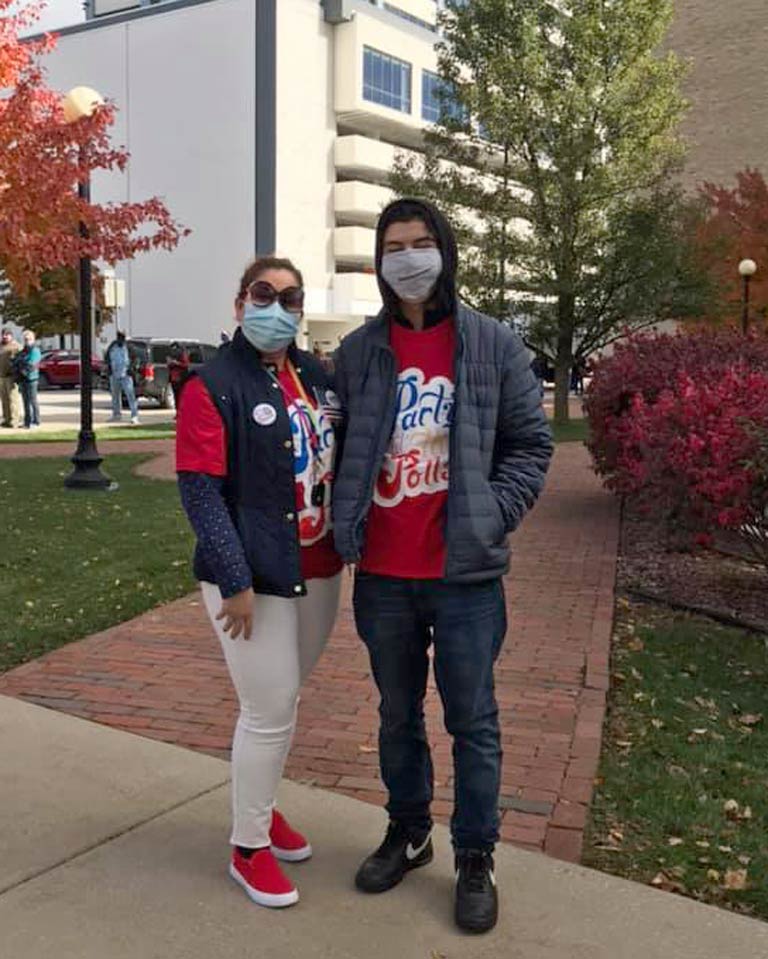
(115, 846)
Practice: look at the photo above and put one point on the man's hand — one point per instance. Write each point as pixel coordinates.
(237, 613)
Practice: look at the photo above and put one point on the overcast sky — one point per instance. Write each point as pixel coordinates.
(60, 13)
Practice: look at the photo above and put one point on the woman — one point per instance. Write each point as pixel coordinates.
(27, 366)
(255, 450)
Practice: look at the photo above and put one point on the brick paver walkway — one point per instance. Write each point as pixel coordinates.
(162, 675)
(29, 450)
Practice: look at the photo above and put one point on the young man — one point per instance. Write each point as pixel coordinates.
(120, 381)
(446, 449)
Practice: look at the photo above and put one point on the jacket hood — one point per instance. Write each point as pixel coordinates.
(407, 209)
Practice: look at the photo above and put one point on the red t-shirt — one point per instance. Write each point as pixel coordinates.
(201, 447)
(405, 536)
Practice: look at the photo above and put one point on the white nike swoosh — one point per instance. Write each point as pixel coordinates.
(411, 853)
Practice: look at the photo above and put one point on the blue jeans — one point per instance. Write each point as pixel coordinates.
(29, 398)
(119, 385)
(398, 619)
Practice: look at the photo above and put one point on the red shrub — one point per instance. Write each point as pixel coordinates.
(681, 424)
(648, 363)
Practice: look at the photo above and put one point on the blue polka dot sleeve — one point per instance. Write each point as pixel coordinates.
(219, 544)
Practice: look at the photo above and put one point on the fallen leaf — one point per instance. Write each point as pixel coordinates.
(746, 813)
(751, 719)
(735, 880)
(731, 808)
(705, 703)
(662, 881)
(675, 841)
(745, 860)
(657, 723)
(702, 843)
(713, 875)
(725, 849)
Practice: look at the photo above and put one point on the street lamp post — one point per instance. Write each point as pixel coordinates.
(747, 269)
(79, 103)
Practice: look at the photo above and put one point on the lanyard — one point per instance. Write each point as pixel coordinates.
(305, 410)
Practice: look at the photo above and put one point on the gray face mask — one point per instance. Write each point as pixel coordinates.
(412, 274)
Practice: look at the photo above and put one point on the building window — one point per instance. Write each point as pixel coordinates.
(386, 80)
(410, 17)
(436, 101)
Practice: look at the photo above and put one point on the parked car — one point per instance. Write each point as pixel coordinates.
(149, 365)
(62, 368)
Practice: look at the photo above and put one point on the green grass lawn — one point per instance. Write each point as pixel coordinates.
(682, 798)
(575, 431)
(73, 563)
(150, 431)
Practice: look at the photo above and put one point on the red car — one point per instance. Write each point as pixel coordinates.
(62, 368)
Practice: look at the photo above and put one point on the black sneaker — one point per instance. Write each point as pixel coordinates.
(477, 903)
(400, 852)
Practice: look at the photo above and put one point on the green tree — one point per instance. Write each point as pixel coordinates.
(554, 156)
(51, 307)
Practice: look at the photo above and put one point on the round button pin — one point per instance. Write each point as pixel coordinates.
(264, 414)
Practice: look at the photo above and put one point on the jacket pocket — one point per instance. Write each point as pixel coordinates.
(500, 528)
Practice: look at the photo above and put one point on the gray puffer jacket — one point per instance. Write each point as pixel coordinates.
(500, 442)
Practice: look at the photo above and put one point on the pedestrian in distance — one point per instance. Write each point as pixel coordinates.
(10, 396)
(178, 370)
(26, 372)
(118, 360)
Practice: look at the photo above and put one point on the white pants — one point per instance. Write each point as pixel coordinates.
(267, 671)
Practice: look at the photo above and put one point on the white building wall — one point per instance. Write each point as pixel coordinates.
(306, 132)
(184, 85)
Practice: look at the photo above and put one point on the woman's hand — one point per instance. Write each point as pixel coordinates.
(237, 613)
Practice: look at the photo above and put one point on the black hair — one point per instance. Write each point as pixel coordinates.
(404, 211)
(260, 265)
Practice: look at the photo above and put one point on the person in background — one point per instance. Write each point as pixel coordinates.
(578, 371)
(27, 372)
(255, 450)
(118, 360)
(10, 397)
(178, 370)
(446, 449)
(539, 369)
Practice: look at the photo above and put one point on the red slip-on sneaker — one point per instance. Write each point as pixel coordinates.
(287, 844)
(263, 879)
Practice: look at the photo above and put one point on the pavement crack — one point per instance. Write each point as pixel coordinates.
(110, 838)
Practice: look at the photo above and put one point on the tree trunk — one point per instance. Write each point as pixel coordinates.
(564, 358)
(562, 389)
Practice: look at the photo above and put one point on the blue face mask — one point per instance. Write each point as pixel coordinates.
(269, 328)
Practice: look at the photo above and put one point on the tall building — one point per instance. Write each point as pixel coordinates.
(266, 126)
(727, 44)
(272, 125)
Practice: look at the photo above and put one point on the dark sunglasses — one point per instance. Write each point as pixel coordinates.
(264, 294)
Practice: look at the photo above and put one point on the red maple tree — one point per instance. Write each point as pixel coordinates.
(42, 160)
(735, 228)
